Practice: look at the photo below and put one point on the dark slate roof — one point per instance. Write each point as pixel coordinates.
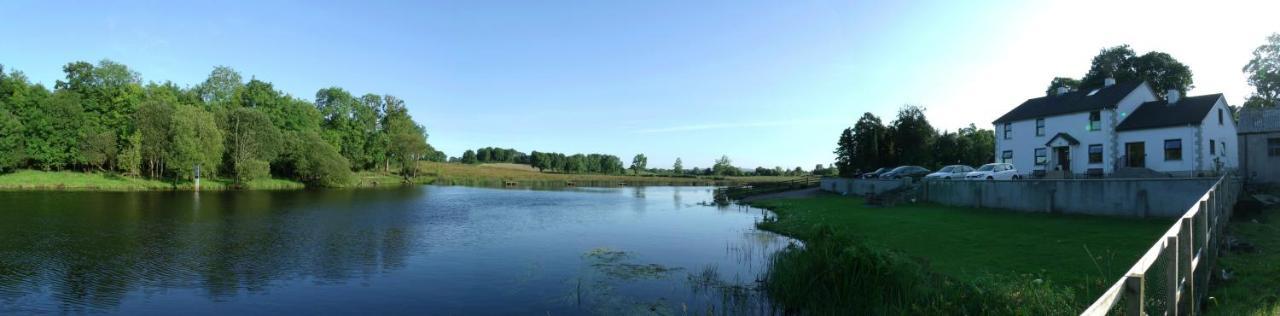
(1071, 102)
(1065, 136)
(1157, 114)
(1254, 120)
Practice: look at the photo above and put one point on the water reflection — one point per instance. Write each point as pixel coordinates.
(435, 250)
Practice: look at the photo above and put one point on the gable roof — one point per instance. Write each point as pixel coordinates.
(1254, 120)
(1067, 137)
(1157, 114)
(1071, 102)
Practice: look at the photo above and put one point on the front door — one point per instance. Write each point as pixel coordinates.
(1135, 154)
(1064, 157)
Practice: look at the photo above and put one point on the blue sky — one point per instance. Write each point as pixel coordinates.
(767, 83)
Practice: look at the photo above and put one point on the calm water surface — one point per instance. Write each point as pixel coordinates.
(419, 250)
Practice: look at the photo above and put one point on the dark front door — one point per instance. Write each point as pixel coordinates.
(1064, 157)
(1136, 155)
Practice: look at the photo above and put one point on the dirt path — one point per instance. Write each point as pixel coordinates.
(783, 195)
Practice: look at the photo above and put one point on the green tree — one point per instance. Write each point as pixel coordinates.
(1159, 69)
(314, 161)
(196, 141)
(912, 136)
(252, 141)
(469, 157)
(97, 146)
(678, 167)
(110, 95)
(1069, 83)
(408, 144)
(53, 131)
(155, 119)
(724, 167)
(11, 142)
(846, 153)
(220, 88)
(638, 163)
(1264, 74)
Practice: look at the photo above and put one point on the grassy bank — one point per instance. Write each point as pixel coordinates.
(1008, 258)
(1254, 288)
(81, 181)
(521, 175)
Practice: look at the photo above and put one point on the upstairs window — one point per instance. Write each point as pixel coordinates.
(1007, 157)
(1172, 149)
(1039, 127)
(1095, 121)
(1213, 147)
(1219, 116)
(1273, 147)
(1008, 130)
(1042, 156)
(1095, 153)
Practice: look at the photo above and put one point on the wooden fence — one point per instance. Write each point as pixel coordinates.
(756, 188)
(1173, 276)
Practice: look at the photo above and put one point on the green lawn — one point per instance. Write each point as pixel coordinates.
(1087, 253)
(1254, 288)
(72, 180)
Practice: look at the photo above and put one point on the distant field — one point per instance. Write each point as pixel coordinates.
(501, 174)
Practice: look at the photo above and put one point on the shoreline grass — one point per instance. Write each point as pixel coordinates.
(80, 181)
(1254, 288)
(1081, 255)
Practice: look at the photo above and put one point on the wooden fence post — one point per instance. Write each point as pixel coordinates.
(1134, 294)
(1171, 275)
(1187, 253)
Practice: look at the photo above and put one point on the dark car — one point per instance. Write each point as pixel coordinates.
(875, 174)
(914, 172)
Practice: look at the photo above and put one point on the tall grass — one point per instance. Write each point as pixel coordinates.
(838, 275)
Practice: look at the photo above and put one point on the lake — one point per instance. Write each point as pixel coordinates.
(412, 250)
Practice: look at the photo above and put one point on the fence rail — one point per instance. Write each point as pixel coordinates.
(1172, 276)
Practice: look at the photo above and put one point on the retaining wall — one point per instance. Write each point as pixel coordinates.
(860, 187)
(1112, 197)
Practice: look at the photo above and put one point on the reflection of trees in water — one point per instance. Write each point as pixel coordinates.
(92, 248)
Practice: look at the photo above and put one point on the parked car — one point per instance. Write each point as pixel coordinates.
(950, 172)
(994, 171)
(905, 172)
(875, 174)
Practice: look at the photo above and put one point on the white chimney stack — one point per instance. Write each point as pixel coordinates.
(1063, 90)
(1108, 82)
(1172, 96)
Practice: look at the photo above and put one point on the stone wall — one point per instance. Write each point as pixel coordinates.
(1111, 197)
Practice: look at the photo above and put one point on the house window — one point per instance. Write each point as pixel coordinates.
(1039, 127)
(1172, 149)
(1213, 147)
(1273, 147)
(1095, 153)
(1007, 157)
(1042, 156)
(1219, 116)
(1095, 121)
(1008, 130)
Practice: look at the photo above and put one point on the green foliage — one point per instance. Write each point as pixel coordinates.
(155, 118)
(317, 162)
(724, 167)
(638, 163)
(1264, 74)
(678, 167)
(252, 141)
(469, 157)
(1162, 71)
(53, 131)
(1069, 83)
(11, 141)
(195, 140)
(97, 146)
(912, 137)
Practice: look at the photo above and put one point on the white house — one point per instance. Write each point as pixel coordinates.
(1100, 131)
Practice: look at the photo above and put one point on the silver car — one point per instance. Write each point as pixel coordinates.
(950, 172)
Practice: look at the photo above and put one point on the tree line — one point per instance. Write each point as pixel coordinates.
(909, 140)
(102, 117)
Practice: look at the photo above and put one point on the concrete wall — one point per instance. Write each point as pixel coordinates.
(1255, 163)
(1111, 197)
(860, 187)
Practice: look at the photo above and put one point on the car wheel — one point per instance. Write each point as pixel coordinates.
(990, 178)
(1017, 177)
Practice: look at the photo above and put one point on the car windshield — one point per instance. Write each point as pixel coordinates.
(987, 167)
(900, 169)
(948, 169)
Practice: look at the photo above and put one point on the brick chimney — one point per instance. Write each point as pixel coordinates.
(1172, 96)
(1108, 82)
(1063, 90)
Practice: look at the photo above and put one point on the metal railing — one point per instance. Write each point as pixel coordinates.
(1172, 277)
